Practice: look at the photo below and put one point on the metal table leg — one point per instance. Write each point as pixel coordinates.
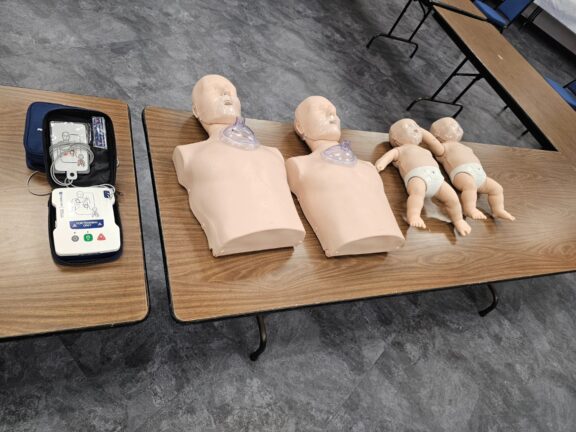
(389, 35)
(532, 16)
(263, 338)
(492, 305)
(456, 72)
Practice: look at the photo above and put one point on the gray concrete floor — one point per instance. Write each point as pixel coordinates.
(423, 362)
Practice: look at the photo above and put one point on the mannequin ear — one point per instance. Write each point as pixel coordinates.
(195, 112)
(298, 129)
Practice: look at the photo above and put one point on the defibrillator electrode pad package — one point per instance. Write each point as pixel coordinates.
(70, 149)
(80, 162)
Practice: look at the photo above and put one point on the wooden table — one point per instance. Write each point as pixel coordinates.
(546, 115)
(36, 295)
(541, 241)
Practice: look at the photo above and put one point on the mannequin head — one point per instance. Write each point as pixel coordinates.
(315, 119)
(215, 101)
(405, 132)
(446, 129)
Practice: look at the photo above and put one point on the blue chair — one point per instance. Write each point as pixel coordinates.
(568, 92)
(504, 14)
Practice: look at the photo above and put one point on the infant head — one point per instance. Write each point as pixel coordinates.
(446, 129)
(405, 132)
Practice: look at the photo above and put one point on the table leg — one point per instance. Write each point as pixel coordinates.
(492, 305)
(389, 35)
(532, 16)
(456, 72)
(263, 338)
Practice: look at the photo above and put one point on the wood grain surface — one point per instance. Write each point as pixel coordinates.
(541, 241)
(37, 295)
(524, 84)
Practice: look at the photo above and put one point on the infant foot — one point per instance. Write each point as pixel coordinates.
(476, 214)
(417, 222)
(462, 227)
(503, 214)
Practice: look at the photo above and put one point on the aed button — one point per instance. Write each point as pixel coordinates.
(88, 237)
(101, 237)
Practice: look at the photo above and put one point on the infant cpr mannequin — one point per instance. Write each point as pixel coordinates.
(421, 174)
(237, 188)
(343, 198)
(465, 170)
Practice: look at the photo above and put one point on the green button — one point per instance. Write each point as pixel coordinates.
(88, 237)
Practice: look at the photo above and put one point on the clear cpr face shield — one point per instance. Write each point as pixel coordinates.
(240, 136)
(340, 154)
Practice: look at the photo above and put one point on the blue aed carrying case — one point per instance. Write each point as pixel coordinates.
(85, 231)
(33, 133)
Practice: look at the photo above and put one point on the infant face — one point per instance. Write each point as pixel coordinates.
(447, 129)
(405, 132)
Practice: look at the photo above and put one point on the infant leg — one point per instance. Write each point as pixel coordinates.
(416, 192)
(449, 198)
(466, 184)
(495, 198)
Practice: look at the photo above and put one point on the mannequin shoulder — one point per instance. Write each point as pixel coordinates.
(186, 152)
(296, 165)
(274, 152)
(368, 170)
(185, 149)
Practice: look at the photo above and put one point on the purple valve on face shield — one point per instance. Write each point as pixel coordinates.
(239, 135)
(340, 154)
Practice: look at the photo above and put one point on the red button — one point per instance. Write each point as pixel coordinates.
(101, 237)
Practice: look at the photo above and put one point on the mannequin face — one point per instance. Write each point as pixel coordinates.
(316, 119)
(215, 101)
(405, 132)
(446, 129)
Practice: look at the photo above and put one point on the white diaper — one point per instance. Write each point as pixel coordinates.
(474, 169)
(431, 176)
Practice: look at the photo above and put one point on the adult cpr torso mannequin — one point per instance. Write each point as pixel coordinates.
(343, 198)
(237, 188)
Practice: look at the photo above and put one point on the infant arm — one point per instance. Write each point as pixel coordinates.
(389, 157)
(435, 146)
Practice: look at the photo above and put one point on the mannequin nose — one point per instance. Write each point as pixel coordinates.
(227, 99)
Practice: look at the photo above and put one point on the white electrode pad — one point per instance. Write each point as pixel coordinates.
(69, 140)
(85, 222)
